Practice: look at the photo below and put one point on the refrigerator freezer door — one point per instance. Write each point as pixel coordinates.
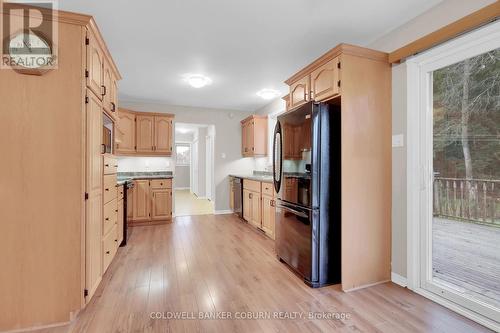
(295, 239)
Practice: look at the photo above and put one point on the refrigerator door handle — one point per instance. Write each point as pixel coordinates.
(277, 156)
(291, 210)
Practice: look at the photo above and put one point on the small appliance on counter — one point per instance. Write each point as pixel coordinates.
(308, 204)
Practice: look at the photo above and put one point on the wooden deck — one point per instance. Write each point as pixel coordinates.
(466, 256)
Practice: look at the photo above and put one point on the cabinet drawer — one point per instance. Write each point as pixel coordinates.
(161, 183)
(109, 216)
(268, 189)
(110, 164)
(119, 192)
(109, 246)
(251, 185)
(109, 188)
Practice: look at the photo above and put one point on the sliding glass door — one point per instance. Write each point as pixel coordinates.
(460, 177)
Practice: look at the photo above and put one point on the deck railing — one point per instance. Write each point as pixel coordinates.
(475, 200)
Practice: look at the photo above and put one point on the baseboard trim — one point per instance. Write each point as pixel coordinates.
(36, 328)
(181, 188)
(365, 286)
(223, 212)
(398, 279)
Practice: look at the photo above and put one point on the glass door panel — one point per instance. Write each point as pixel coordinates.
(465, 231)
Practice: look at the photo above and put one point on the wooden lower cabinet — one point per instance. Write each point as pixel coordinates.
(141, 202)
(258, 206)
(111, 212)
(161, 204)
(151, 202)
(268, 215)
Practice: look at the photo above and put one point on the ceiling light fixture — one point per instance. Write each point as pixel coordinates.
(197, 80)
(268, 93)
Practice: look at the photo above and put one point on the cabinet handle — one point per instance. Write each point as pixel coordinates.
(116, 210)
(107, 218)
(113, 107)
(107, 252)
(116, 240)
(106, 165)
(161, 184)
(106, 189)
(250, 195)
(116, 165)
(103, 90)
(103, 148)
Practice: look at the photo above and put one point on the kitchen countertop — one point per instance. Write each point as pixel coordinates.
(123, 177)
(259, 178)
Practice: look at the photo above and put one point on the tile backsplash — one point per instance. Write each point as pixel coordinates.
(145, 164)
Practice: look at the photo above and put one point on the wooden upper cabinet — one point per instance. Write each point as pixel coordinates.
(325, 81)
(106, 88)
(299, 92)
(95, 66)
(114, 94)
(144, 133)
(163, 135)
(125, 132)
(254, 136)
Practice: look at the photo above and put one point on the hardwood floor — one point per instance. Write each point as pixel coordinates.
(218, 263)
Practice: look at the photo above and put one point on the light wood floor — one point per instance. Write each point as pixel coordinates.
(186, 203)
(218, 263)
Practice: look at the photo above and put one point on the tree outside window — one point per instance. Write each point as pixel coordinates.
(183, 154)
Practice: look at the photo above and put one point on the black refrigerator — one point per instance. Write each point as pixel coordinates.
(306, 172)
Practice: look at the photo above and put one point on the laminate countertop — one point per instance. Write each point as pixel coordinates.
(259, 178)
(124, 177)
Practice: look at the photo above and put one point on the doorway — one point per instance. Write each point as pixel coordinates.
(454, 204)
(193, 180)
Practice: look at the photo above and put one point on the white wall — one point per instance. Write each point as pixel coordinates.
(228, 159)
(182, 176)
(446, 12)
(144, 164)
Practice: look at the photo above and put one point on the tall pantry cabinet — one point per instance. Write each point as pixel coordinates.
(51, 178)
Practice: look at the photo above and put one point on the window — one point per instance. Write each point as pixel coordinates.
(183, 154)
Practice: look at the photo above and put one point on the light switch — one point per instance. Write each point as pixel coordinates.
(398, 140)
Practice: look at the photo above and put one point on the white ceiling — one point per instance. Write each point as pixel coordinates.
(243, 45)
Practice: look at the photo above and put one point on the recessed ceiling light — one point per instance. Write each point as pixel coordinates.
(197, 80)
(268, 93)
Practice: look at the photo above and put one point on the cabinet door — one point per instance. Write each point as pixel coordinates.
(325, 81)
(120, 221)
(255, 218)
(163, 135)
(299, 92)
(125, 133)
(250, 133)
(93, 187)
(106, 88)
(114, 95)
(268, 215)
(144, 133)
(95, 60)
(244, 139)
(142, 201)
(161, 204)
(247, 205)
